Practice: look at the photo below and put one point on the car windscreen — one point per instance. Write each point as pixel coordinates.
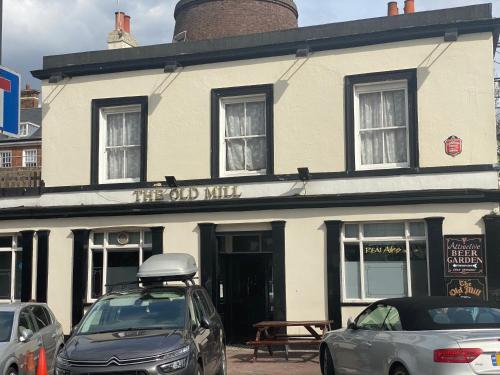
(145, 310)
(6, 320)
(466, 317)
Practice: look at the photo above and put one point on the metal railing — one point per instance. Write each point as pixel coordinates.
(20, 177)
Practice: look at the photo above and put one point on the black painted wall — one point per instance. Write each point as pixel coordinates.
(27, 264)
(333, 281)
(80, 270)
(42, 265)
(492, 225)
(436, 255)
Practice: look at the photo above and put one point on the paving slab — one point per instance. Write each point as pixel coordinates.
(301, 362)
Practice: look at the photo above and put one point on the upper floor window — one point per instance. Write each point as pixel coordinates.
(30, 158)
(26, 129)
(242, 131)
(119, 140)
(381, 121)
(5, 159)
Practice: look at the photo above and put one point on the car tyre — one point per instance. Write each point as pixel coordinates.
(399, 370)
(199, 370)
(223, 369)
(328, 368)
(11, 371)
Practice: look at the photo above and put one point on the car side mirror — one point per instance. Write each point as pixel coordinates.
(351, 324)
(205, 323)
(25, 334)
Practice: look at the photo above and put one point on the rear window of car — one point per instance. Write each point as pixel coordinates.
(6, 320)
(466, 316)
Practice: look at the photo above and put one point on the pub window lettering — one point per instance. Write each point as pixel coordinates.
(384, 260)
(10, 268)
(114, 258)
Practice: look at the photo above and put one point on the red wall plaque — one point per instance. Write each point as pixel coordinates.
(453, 146)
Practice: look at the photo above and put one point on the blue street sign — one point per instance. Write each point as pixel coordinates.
(10, 95)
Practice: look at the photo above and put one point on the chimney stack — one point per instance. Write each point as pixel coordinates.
(409, 6)
(29, 97)
(393, 9)
(121, 37)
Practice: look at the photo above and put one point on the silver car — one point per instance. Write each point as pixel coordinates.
(431, 335)
(24, 329)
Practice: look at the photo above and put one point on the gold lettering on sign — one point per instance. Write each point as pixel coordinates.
(187, 194)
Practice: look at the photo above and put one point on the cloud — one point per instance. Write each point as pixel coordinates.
(34, 28)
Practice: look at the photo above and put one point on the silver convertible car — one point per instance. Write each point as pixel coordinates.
(417, 336)
(24, 329)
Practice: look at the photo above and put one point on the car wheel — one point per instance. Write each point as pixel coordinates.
(327, 364)
(199, 371)
(223, 367)
(11, 371)
(399, 370)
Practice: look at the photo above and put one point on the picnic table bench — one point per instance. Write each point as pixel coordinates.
(269, 335)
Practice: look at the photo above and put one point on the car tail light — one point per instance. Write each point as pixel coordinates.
(456, 355)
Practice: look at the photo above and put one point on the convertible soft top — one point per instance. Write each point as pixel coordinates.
(416, 312)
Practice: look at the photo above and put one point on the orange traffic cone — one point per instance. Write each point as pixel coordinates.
(30, 363)
(42, 363)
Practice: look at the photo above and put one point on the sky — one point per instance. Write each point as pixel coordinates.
(34, 28)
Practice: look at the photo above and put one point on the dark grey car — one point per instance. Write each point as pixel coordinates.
(148, 331)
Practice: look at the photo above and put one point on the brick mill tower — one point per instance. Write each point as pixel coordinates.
(208, 19)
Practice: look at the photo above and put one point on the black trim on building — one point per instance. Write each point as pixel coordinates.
(20, 192)
(333, 272)
(409, 75)
(42, 265)
(471, 19)
(80, 273)
(492, 227)
(97, 105)
(217, 95)
(27, 265)
(436, 255)
(256, 204)
(157, 239)
(208, 259)
(279, 269)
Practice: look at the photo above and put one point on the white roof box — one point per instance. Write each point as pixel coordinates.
(168, 267)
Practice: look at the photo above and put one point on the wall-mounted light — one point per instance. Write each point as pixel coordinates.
(171, 66)
(171, 181)
(304, 174)
(56, 78)
(451, 35)
(303, 52)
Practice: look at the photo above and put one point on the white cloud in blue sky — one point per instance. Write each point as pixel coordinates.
(34, 28)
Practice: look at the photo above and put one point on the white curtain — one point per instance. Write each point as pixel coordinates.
(379, 111)
(246, 127)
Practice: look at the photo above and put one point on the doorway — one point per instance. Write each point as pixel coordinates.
(246, 290)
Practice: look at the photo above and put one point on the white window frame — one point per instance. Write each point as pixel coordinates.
(103, 161)
(34, 153)
(379, 87)
(105, 248)
(361, 240)
(3, 156)
(14, 250)
(258, 98)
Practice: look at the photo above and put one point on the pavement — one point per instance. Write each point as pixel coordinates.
(301, 362)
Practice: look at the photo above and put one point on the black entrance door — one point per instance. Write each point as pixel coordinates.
(246, 292)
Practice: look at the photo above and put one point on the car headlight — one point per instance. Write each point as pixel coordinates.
(176, 353)
(174, 366)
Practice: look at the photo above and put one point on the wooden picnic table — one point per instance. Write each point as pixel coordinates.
(269, 334)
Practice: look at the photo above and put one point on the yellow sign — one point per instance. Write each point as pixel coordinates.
(187, 194)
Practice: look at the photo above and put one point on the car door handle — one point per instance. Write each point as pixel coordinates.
(369, 344)
(54, 335)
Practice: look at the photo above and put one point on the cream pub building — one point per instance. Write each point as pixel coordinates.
(310, 171)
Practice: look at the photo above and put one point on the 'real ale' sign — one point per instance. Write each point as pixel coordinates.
(464, 255)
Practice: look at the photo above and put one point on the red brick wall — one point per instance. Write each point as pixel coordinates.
(222, 18)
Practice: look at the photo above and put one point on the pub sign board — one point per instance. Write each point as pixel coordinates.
(473, 288)
(464, 255)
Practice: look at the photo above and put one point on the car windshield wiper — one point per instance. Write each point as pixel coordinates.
(127, 330)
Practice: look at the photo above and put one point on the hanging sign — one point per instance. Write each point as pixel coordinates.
(453, 146)
(464, 255)
(474, 288)
(10, 94)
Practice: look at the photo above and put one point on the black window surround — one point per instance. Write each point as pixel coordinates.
(97, 106)
(217, 95)
(410, 75)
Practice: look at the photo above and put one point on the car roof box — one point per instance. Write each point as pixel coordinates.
(168, 267)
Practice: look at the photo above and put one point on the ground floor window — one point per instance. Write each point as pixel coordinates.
(384, 260)
(10, 268)
(114, 258)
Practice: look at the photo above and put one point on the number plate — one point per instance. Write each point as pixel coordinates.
(495, 359)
